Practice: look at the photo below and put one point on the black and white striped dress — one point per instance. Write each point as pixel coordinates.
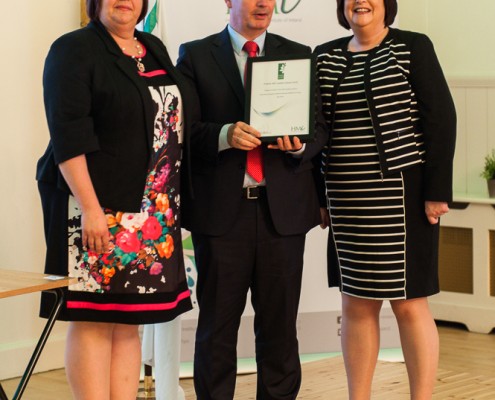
(380, 245)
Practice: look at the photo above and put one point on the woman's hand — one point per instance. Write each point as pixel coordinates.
(325, 218)
(95, 234)
(434, 210)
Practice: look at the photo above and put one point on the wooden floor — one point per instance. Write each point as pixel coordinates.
(466, 371)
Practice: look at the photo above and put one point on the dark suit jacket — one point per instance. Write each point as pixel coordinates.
(217, 178)
(96, 104)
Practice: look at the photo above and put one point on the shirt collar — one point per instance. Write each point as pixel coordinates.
(238, 40)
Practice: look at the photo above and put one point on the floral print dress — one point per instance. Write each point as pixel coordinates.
(141, 279)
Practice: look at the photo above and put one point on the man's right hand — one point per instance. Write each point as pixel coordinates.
(243, 136)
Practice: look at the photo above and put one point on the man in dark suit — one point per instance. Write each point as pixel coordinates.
(248, 229)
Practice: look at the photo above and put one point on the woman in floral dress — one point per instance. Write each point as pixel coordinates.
(110, 190)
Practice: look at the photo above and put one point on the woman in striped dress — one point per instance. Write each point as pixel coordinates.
(388, 178)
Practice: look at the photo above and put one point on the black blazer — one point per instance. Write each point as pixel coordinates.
(217, 178)
(96, 104)
(420, 123)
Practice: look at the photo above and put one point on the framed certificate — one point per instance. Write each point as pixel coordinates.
(280, 96)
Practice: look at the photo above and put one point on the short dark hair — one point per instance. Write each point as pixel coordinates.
(93, 8)
(390, 13)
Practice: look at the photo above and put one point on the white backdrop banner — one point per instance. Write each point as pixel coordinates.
(310, 22)
(307, 21)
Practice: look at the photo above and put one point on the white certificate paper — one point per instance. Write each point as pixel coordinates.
(280, 97)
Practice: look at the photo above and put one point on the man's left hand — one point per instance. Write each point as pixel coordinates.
(285, 144)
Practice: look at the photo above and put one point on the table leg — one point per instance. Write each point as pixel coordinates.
(3, 396)
(59, 298)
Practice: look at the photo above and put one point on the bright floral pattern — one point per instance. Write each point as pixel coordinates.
(141, 243)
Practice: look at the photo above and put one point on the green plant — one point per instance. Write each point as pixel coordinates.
(489, 167)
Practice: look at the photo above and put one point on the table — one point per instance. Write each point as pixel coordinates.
(13, 283)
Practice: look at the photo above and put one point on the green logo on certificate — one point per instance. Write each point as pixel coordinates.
(281, 71)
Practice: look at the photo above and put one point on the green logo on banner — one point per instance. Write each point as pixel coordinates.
(286, 9)
(281, 71)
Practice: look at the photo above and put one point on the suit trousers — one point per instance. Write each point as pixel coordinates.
(250, 256)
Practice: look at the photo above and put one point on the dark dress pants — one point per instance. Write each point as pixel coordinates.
(252, 255)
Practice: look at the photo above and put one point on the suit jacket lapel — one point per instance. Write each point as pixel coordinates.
(223, 53)
(273, 46)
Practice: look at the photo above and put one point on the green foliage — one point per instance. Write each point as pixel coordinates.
(489, 167)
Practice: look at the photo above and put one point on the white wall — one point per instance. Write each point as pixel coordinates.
(27, 30)
(461, 30)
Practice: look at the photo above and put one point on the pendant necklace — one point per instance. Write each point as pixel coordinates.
(138, 59)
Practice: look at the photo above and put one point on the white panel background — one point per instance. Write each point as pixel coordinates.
(311, 22)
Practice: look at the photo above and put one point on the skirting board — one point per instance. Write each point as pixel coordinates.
(477, 318)
(318, 332)
(16, 355)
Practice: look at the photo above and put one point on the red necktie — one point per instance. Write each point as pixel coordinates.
(254, 166)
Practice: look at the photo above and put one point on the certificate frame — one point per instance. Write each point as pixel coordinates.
(280, 96)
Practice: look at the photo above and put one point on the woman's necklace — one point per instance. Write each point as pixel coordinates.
(137, 58)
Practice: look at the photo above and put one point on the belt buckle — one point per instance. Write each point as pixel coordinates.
(248, 193)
